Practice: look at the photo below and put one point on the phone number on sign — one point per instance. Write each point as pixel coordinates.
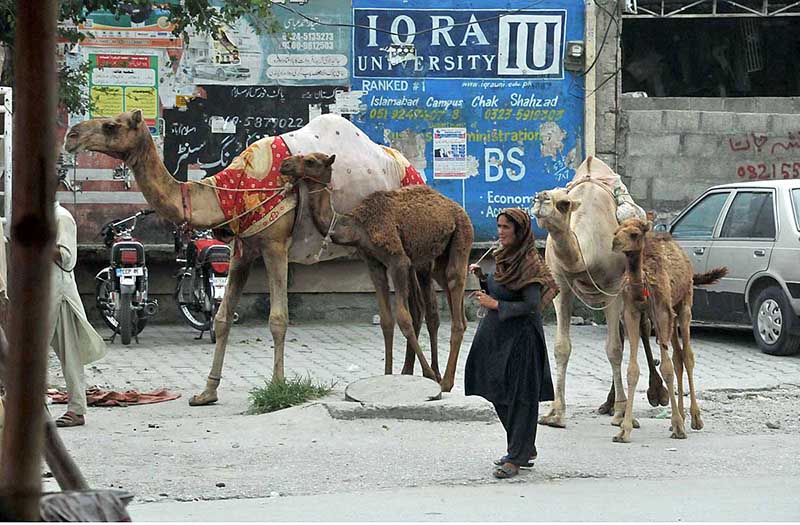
(776, 170)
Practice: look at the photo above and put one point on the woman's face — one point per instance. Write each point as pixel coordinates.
(506, 232)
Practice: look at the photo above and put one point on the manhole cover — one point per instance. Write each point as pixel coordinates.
(393, 389)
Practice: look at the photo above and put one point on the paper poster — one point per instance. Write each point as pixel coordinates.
(450, 153)
(120, 83)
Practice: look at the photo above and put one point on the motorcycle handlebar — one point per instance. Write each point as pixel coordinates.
(147, 212)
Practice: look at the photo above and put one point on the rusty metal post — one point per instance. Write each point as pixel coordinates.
(32, 241)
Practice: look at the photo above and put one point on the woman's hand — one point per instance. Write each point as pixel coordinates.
(485, 300)
(477, 271)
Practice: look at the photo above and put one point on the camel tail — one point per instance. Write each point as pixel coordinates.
(710, 277)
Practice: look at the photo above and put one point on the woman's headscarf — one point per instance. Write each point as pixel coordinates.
(521, 265)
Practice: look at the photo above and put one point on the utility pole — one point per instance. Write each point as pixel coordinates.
(32, 245)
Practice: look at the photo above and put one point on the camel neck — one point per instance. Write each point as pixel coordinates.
(323, 214)
(160, 190)
(567, 250)
(633, 267)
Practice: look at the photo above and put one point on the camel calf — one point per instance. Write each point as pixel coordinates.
(411, 233)
(659, 279)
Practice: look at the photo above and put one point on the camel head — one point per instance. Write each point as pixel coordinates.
(630, 235)
(553, 209)
(117, 137)
(314, 166)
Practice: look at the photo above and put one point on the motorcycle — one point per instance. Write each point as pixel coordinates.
(202, 278)
(121, 287)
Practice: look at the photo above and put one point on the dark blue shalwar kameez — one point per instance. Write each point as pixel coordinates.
(508, 365)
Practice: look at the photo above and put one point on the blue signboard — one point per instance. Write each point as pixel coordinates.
(474, 93)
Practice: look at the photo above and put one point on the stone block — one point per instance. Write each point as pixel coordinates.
(741, 105)
(751, 123)
(646, 121)
(784, 124)
(696, 145)
(681, 120)
(639, 188)
(717, 122)
(653, 145)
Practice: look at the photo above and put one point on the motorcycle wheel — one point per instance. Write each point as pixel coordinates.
(197, 319)
(106, 308)
(125, 321)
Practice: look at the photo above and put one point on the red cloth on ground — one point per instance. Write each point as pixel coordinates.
(111, 398)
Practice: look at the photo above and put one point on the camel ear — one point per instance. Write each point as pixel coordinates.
(647, 227)
(330, 160)
(136, 118)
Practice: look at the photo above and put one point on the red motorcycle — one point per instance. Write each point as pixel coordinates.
(202, 278)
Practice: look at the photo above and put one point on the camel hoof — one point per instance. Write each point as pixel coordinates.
(678, 435)
(635, 423)
(616, 420)
(606, 408)
(447, 386)
(621, 438)
(697, 422)
(663, 397)
(206, 398)
(552, 421)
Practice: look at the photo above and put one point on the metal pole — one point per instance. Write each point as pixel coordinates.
(32, 241)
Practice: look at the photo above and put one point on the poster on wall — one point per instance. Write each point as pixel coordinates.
(493, 68)
(450, 153)
(120, 83)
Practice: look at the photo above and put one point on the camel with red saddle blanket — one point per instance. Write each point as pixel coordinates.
(254, 201)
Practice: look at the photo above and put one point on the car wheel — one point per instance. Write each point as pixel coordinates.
(775, 323)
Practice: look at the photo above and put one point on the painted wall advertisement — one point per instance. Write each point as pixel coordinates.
(475, 94)
(120, 83)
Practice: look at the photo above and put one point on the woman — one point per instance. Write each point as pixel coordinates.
(507, 362)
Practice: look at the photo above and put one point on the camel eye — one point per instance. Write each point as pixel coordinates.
(309, 162)
(109, 127)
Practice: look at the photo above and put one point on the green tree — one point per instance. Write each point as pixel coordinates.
(202, 15)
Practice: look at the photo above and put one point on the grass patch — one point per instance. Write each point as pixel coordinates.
(285, 393)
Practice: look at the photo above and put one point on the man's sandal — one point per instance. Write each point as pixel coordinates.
(70, 419)
(505, 471)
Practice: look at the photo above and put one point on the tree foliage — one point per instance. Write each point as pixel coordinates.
(202, 15)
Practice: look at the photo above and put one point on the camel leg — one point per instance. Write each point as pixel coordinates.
(632, 320)
(614, 353)
(608, 405)
(563, 348)
(656, 392)
(664, 328)
(276, 260)
(416, 317)
(677, 364)
(456, 281)
(380, 281)
(432, 321)
(238, 273)
(400, 277)
(685, 316)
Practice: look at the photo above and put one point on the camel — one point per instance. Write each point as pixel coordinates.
(581, 222)
(660, 279)
(409, 232)
(195, 204)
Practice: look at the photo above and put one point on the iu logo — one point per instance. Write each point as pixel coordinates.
(531, 45)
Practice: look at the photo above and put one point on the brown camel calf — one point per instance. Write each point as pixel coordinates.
(660, 280)
(411, 233)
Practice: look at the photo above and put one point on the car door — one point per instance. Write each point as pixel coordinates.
(744, 245)
(694, 230)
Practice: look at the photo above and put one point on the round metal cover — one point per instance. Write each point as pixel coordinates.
(393, 390)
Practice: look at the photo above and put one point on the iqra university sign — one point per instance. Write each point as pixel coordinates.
(467, 44)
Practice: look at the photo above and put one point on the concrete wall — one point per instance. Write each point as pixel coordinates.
(668, 157)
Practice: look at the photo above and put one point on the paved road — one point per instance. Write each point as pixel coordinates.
(168, 453)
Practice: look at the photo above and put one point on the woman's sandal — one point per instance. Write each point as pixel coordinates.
(529, 464)
(506, 470)
(70, 419)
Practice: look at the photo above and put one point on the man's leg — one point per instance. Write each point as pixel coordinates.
(64, 346)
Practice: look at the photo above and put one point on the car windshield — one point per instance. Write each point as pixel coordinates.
(796, 206)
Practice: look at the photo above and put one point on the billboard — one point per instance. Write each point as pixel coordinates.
(490, 71)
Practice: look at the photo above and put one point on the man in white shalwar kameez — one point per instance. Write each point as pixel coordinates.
(73, 339)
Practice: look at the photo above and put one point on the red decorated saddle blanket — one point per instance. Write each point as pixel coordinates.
(251, 191)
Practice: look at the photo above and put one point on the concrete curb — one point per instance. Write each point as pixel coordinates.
(440, 410)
